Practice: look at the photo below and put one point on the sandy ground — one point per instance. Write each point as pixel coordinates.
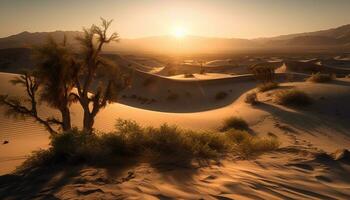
(291, 173)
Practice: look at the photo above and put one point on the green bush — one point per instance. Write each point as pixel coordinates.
(234, 123)
(320, 78)
(292, 98)
(267, 86)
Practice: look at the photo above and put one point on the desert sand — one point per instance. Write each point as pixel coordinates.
(301, 169)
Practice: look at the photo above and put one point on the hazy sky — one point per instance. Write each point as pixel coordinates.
(215, 18)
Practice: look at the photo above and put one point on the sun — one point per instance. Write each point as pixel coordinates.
(179, 32)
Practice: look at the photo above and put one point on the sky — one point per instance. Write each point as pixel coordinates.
(143, 18)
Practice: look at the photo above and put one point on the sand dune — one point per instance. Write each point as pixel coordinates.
(291, 173)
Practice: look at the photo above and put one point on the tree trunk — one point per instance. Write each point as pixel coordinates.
(88, 122)
(66, 120)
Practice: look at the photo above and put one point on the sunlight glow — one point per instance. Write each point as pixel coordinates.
(179, 32)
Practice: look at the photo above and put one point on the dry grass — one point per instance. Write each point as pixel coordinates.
(320, 78)
(267, 86)
(251, 98)
(292, 98)
(131, 140)
(234, 123)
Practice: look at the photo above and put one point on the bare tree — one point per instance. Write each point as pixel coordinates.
(102, 90)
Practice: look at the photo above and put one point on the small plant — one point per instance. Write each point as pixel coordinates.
(234, 123)
(172, 97)
(292, 98)
(267, 86)
(247, 145)
(320, 78)
(189, 75)
(221, 95)
(251, 98)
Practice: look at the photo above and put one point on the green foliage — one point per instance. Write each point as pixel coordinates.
(320, 78)
(234, 123)
(293, 98)
(267, 86)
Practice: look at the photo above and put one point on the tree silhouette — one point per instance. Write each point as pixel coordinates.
(17, 108)
(92, 42)
(59, 71)
(55, 70)
(51, 82)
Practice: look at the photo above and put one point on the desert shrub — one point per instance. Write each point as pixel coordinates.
(130, 140)
(292, 98)
(320, 78)
(251, 98)
(221, 95)
(247, 145)
(236, 136)
(172, 97)
(234, 123)
(264, 74)
(37, 159)
(189, 75)
(267, 86)
(251, 146)
(75, 145)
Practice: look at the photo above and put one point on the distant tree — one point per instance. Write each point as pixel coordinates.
(102, 90)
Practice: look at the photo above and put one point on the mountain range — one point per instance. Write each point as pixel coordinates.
(336, 38)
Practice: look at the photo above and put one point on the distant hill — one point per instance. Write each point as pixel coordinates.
(27, 39)
(333, 38)
(339, 36)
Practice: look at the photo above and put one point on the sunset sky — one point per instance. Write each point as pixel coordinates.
(142, 18)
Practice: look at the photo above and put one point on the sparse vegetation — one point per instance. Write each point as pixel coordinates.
(267, 86)
(132, 140)
(188, 75)
(320, 78)
(264, 74)
(251, 98)
(221, 95)
(234, 123)
(292, 98)
(247, 145)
